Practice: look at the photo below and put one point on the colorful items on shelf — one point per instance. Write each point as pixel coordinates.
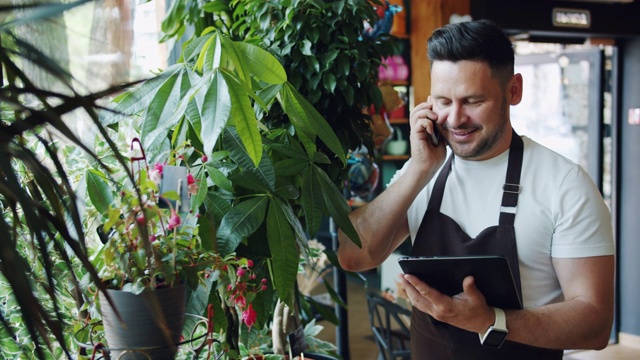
(393, 69)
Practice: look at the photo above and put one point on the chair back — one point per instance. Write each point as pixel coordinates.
(389, 326)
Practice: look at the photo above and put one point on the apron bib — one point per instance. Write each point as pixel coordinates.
(432, 339)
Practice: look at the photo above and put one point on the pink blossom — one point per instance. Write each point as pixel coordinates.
(174, 220)
(249, 316)
(192, 185)
(241, 301)
(152, 238)
(159, 167)
(156, 174)
(263, 287)
(240, 272)
(249, 263)
(204, 158)
(264, 281)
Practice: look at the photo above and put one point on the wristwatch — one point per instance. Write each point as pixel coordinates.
(497, 333)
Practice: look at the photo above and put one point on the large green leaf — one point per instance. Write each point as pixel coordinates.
(284, 251)
(244, 118)
(294, 222)
(236, 60)
(261, 178)
(309, 119)
(192, 111)
(312, 199)
(240, 222)
(337, 206)
(98, 190)
(161, 113)
(216, 110)
(139, 98)
(218, 178)
(231, 141)
(216, 205)
(261, 64)
(201, 194)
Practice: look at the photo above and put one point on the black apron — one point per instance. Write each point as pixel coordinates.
(432, 339)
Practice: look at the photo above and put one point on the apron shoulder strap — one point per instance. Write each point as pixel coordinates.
(511, 188)
(438, 188)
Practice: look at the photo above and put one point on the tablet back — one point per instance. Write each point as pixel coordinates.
(492, 275)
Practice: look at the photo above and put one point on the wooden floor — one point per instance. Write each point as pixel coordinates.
(363, 347)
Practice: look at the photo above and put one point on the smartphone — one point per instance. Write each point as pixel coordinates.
(435, 137)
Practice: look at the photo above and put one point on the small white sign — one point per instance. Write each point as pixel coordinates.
(634, 116)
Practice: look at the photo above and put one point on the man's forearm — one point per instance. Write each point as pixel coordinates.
(572, 324)
(382, 225)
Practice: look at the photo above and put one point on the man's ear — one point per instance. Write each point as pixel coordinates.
(515, 89)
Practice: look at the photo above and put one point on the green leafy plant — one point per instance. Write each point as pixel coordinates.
(273, 94)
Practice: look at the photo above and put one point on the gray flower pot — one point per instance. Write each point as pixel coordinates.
(151, 323)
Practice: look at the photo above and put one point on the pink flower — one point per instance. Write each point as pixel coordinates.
(241, 301)
(204, 158)
(249, 316)
(152, 238)
(240, 272)
(192, 185)
(159, 167)
(249, 263)
(156, 174)
(263, 287)
(174, 220)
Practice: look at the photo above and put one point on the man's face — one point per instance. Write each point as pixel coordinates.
(473, 108)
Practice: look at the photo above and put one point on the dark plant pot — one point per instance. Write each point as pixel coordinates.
(151, 323)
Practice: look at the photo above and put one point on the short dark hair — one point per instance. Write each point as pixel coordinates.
(480, 40)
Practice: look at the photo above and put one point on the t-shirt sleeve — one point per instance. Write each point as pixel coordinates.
(583, 220)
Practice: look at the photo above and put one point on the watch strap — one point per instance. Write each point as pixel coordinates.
(499, 327)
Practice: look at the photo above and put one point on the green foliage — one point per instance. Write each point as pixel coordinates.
(43, 251)
(212, 100)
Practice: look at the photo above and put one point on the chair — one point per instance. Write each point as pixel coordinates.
(390, 330)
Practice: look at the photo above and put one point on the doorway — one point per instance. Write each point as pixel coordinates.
(567, 104)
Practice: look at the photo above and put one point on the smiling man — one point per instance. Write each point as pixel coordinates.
(493, 192)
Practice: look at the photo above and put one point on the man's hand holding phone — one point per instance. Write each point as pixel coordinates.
(427, 146)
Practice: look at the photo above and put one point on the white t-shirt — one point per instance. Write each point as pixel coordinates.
(560, 213)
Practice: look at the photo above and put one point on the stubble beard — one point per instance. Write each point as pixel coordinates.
(485, 143)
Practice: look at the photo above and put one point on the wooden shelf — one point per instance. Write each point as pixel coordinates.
(396, 121)
(395, 157)
(395, 82)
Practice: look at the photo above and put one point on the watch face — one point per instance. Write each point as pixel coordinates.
(494, 338)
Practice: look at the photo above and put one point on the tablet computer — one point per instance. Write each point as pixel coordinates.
(492, 275)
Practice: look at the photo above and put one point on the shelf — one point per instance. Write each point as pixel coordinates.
(396, 121)
(395, 157)
(395, 82)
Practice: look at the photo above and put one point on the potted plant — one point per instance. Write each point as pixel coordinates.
(152, 250)
(275, 166)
